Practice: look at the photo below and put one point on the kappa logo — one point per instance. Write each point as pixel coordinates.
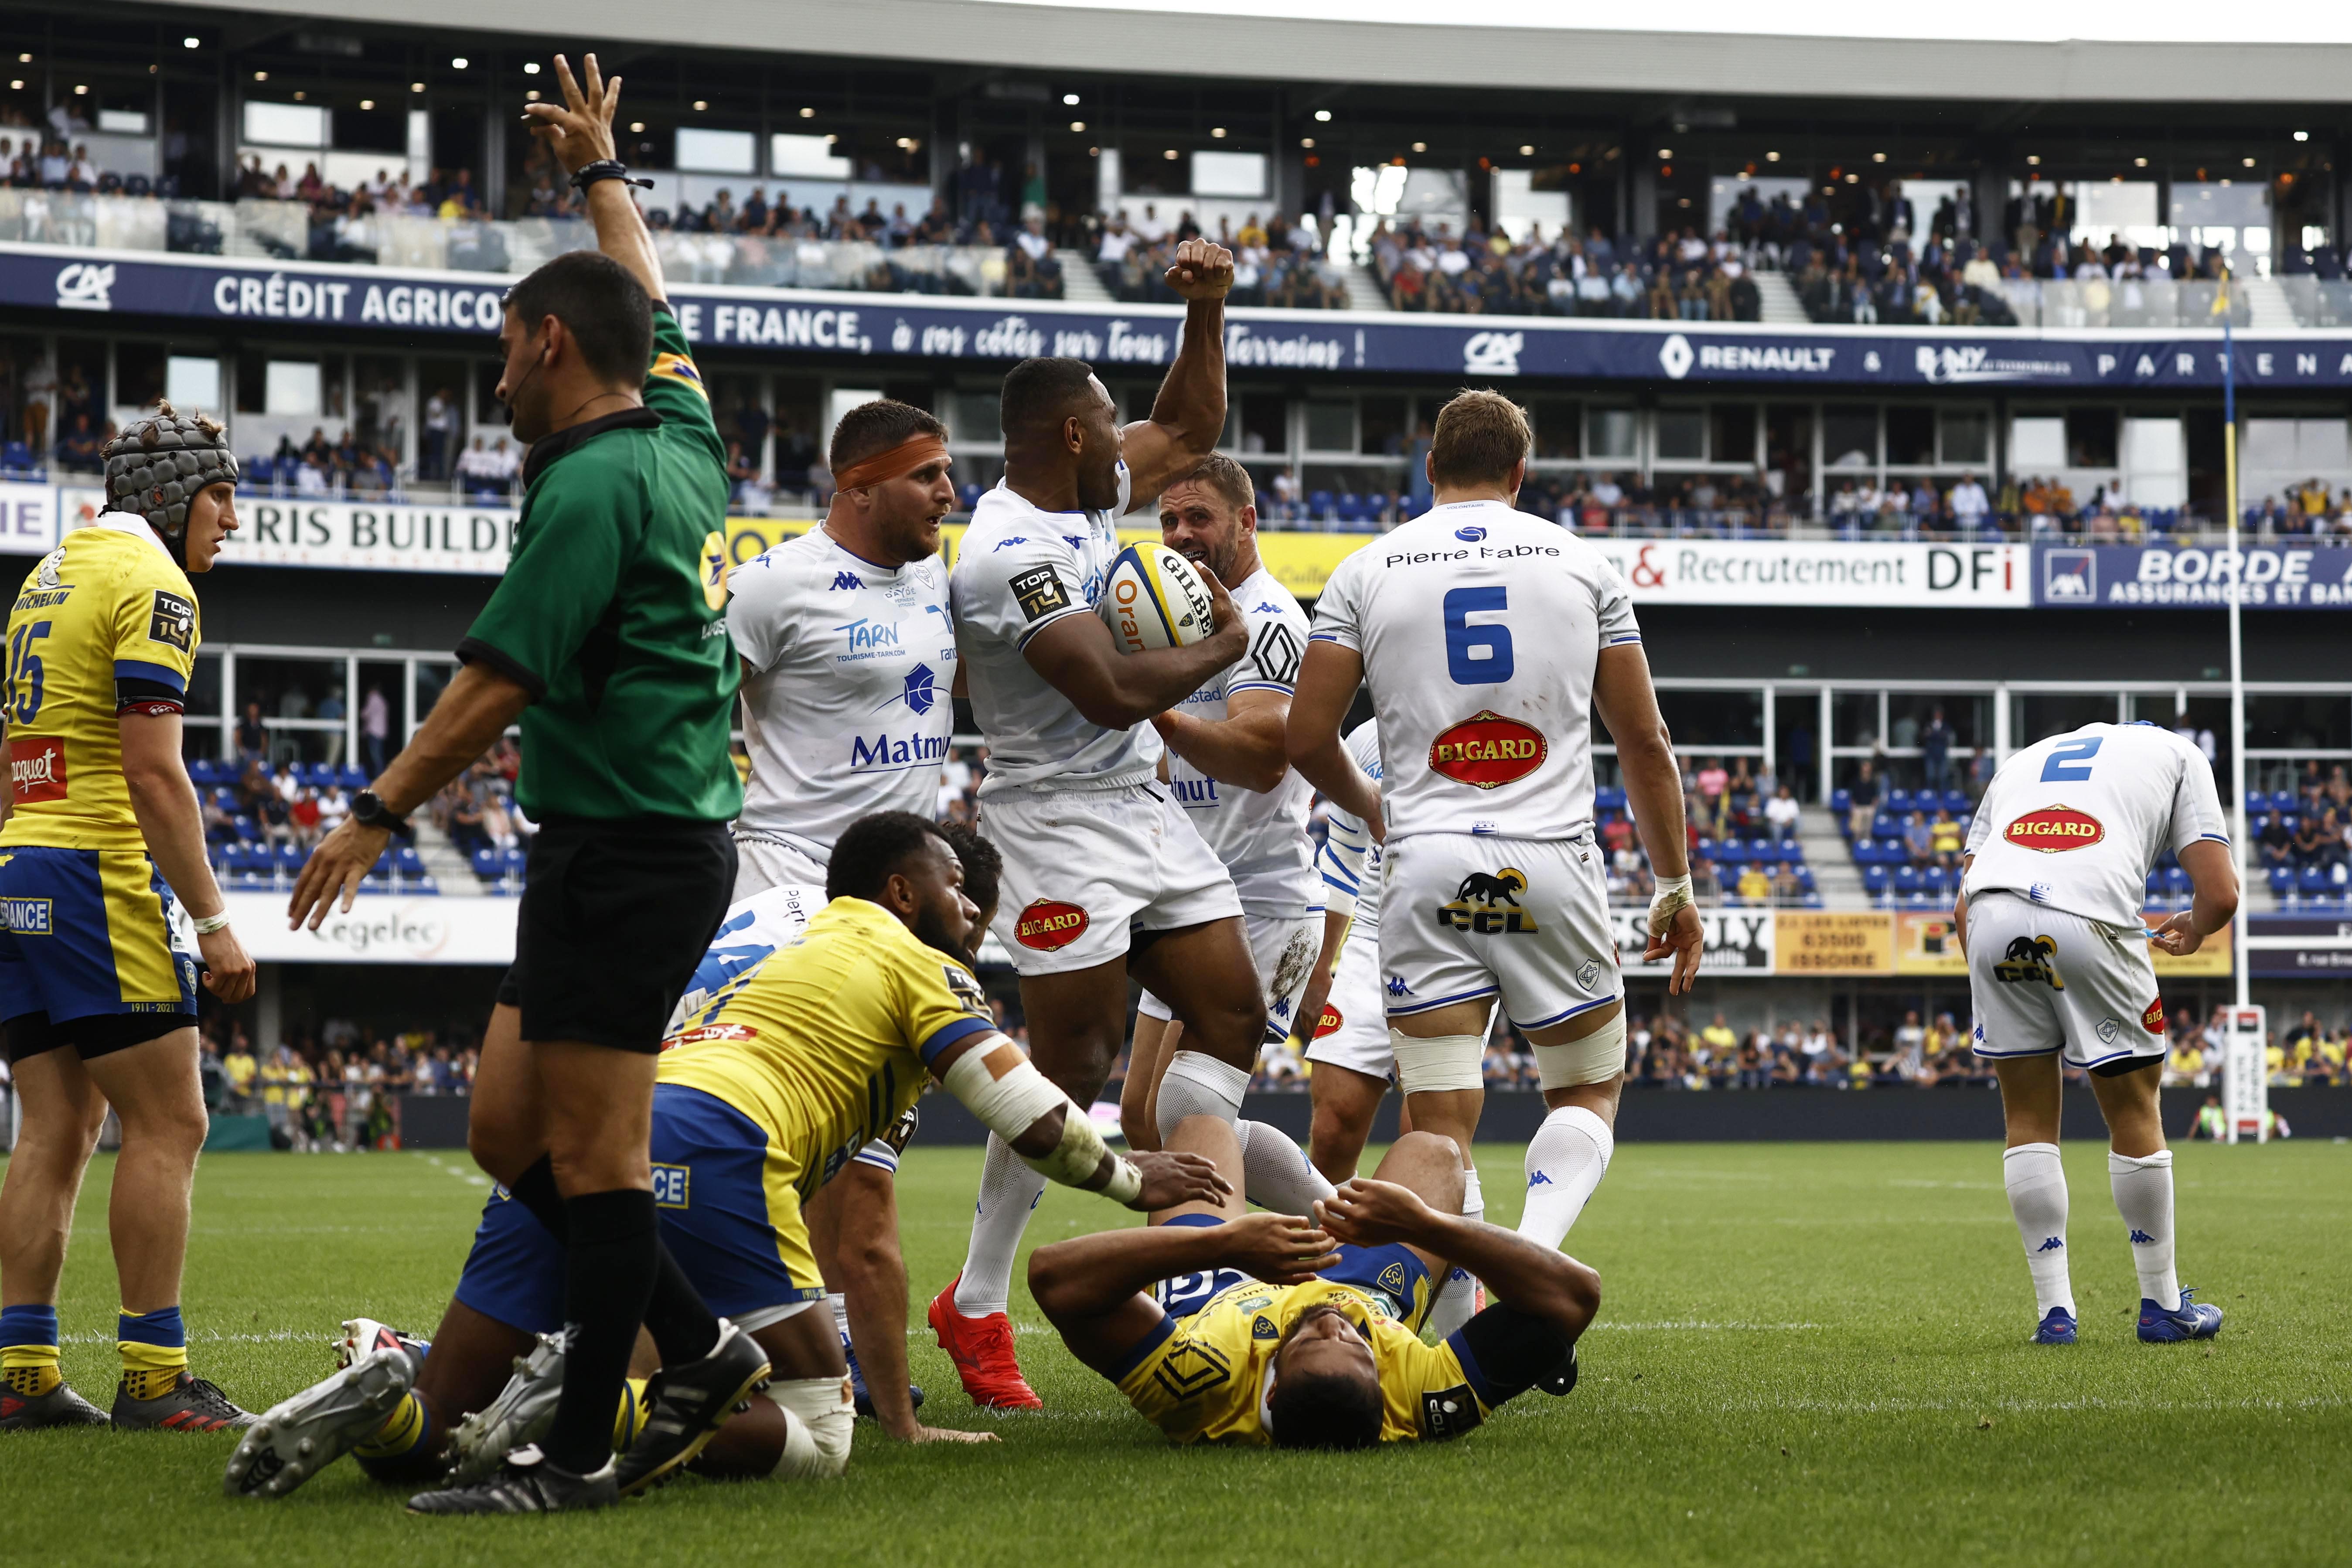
(846, 581)
(1486, 891)
(1487, 751)
(1049, 925)
(2028, 962)
(1011, 540)
(1539, 1180)
(1397, 987)
(2055, 829)
(1263, 609)
(2051, 1244)
(1276, 653)
(2142, 1238)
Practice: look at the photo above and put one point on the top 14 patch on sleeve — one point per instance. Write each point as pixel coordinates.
(173, 622)
(1039, 591)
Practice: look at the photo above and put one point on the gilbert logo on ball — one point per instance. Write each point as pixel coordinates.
(1049, 925)
(1487, 751)
(1154, 599)
(2055, 829)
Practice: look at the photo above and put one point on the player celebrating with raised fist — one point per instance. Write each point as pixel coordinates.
(1103, 871)
(2058, 967)
(1487, 636)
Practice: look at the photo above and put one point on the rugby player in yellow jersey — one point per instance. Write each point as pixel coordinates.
(773, 1084)
(101, 835)
(1222, 1326)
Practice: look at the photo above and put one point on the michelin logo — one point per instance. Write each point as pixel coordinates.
(1493, 353)
(86, 286)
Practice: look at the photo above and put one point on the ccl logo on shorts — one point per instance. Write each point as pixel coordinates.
(36, 768)
(2027, 962)
(2055, 829)
(1476, 906)
(1487, 751)
(1049, 925)
(669, 1186)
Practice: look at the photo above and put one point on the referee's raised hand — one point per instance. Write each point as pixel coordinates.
(579, 131)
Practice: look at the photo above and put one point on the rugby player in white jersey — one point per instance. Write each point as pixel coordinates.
(2059, 970)
(1486, 637)
(848, 652)
(1103, 871)
(848, 661)
(1227, 768)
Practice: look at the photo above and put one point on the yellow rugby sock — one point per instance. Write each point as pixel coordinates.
(28, 1351)
(402, 1431)
(636, 1405)
(154, 1350)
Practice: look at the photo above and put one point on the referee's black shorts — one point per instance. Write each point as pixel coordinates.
(615, 916)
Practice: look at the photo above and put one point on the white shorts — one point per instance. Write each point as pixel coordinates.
(1086, 869)
(2041, 979)
(1284, 949)
(762, 863)
(1353, 1032)
(1467, 916)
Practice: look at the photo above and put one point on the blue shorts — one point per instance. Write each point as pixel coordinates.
(86, 953)
(738, 1236)
(1392, 1271)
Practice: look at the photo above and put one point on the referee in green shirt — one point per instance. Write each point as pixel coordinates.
(608, 636)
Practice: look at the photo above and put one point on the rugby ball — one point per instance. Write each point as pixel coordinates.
(1153, 598)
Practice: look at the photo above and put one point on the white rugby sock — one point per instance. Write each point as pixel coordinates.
(1566, 1160)
(1275, 1171)
(1009, 1190)
(2143, 1189)
(1197, 1084)
(2037, 1197)
(1457, 1293)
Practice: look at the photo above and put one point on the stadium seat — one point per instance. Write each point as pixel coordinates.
(1841, 802)
(2282, 880)
(2312, 881)
(1956, 801)
(1898, 801)
(1907, 880)
(1318, 505)
(1875, 881)
(1609, 797)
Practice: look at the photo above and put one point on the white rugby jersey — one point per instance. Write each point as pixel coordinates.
(1480, 628)
(2078, 821)
(752, 929)
(1261, 837)
(847, 706)
(1349, 862)
(1019, 571)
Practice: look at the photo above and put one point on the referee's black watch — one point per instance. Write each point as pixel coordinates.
(369, 811)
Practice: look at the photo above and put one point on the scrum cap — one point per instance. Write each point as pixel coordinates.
(156, 468)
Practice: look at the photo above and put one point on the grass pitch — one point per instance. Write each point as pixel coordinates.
(1806, 1353)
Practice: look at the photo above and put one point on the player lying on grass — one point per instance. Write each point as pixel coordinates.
(776, 1082)
(1221, 1326)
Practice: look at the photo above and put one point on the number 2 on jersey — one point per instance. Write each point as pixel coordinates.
(24, 688)
(1476, 655)
(2070, 764)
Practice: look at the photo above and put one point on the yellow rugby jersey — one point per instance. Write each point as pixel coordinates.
(104, 617)
(1205, 1380)
(825, 1043)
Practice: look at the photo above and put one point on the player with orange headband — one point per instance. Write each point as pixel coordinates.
(848, 658)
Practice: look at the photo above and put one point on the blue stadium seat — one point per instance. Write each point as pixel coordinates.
(1907, 880)
(1731, 854)
(1956, 801)
(1792, 849)
(1873, 880)
(1349, 508)
(1319, 505)
(2312, 881)
(16, 457)
(2282, 880)
(1841, 801)
(969, 496)
(1899, 801)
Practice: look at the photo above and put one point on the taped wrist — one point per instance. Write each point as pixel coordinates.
(1596, 1058)
(1001, 1086)
(1671, 894)
(1445, 1063)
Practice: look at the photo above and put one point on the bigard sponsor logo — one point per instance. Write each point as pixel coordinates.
(1048, 925)
(1487, 751)
(2055, 829)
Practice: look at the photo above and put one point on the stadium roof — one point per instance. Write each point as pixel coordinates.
(1333, 45)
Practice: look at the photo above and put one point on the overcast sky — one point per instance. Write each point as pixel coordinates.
(2030, 20)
